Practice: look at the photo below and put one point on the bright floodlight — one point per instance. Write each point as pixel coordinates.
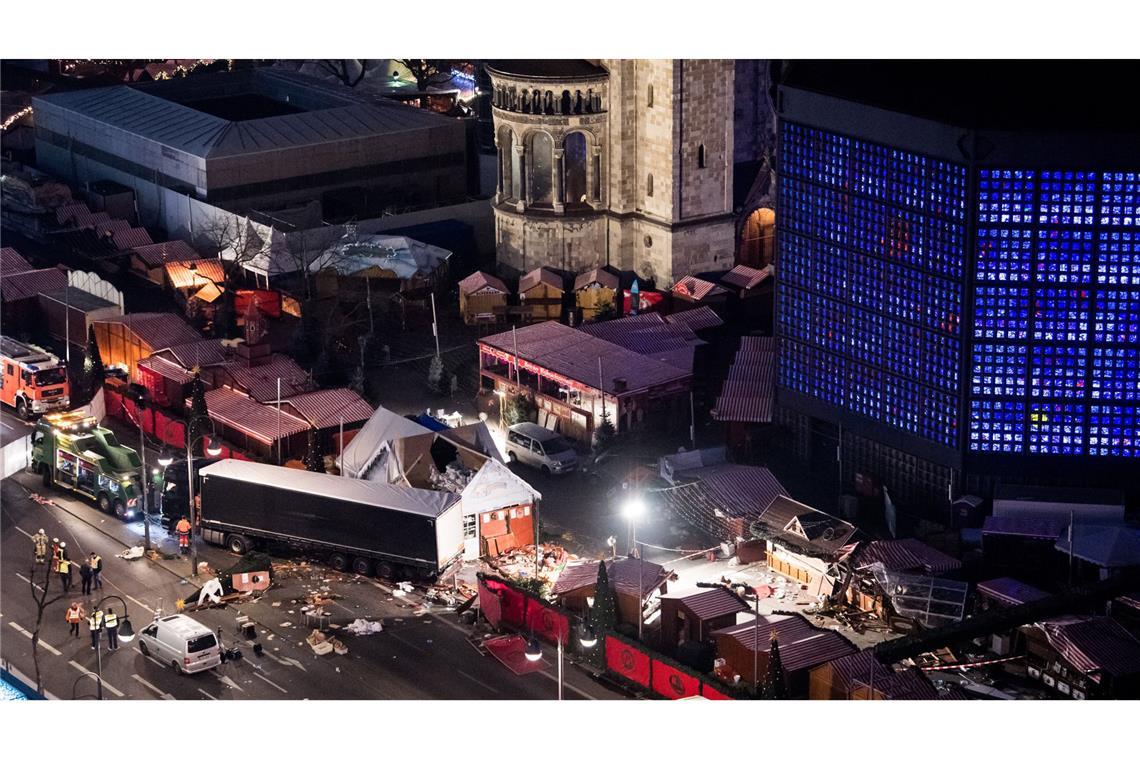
(633, 508)
(126, 631)
(533, 650)
(165, 458)
(589, 636)
(213, 448)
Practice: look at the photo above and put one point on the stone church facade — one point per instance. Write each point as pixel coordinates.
(626, 163)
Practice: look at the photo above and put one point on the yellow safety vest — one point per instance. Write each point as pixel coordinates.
(95, 621)
(64, 566)
(111, 620)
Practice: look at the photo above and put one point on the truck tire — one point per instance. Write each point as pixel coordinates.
(385, 570)
(425, 574)
(22, 409)
(104, 503)
(338, 562)
(45, 470)
(511, 456)
(120, 509)
(178, 667)
(237, 543)
(362, 566)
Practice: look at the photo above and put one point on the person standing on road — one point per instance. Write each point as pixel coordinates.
(96, 569)
(111, 623)
(183, 531)
(40, 542)
(85, 573)
(95, 623)
(55, 555)
(65, 573)
(74, 616)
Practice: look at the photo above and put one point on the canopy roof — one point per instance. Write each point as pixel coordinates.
(495, 487)
(382, 428)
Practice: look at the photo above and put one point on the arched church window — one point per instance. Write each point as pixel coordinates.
(574, 181)
(542, 170)
(649, 97)
(649, 186)
(701, 156)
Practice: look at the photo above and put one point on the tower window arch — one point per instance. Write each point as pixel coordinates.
(649, 97)
(701, 156)
(649, 186)
(541, 169)
(574, 180)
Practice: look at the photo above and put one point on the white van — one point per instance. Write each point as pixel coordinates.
(535, 445)
(186, 644)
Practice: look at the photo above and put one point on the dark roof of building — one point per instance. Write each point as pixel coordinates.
(804, 528)
(243, 413)
(1094, 645)
(906, 555)
(541, 274)
(700, 318)
(157, 329)
(1103, 545)
(983, 94)
(11, 262)
(76, 298)
(480, 280)
(748, 392)
(152, 111)
(157, 254)
(1026, 527)
(745, 277)
(627, 576)
(203, 352)
(802, 645)
(29, 284)
(602, 277)
(697, 289)
(260, 380)
(710, 603)
(1010, 591)
(1062, 494)
(735, 490)
(327, 408)
(548, 68)
(647, 334)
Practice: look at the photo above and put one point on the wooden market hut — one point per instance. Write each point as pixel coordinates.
(483, 299)
(540, 295)
(594, 291)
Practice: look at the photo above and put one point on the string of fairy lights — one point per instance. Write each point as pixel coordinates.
(11, 120)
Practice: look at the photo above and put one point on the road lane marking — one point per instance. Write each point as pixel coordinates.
(208, 695)
(41, 642)
(136, 601)
(159, 663)
(26, 533)
(476, 680)
(275, 686)
(85, 671)
(29, 580)
(151, 686)
(226, 680)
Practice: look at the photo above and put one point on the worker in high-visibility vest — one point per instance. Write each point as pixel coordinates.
(111, 623)
(95, 623)
(40, 542)
(65, 573)
(74, 616)
(56, 553)
(183, 531)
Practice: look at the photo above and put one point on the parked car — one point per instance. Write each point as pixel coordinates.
(186, 644)
(543, 449)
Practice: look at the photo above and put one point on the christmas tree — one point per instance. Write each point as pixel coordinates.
(603, 615)
(604, 434)
(199, 414)
(774, 686)
(314, 457)
(93, 371)
(435, 375)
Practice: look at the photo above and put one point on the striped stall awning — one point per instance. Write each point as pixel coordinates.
(749, 390)
(135, 237)
(260, 421)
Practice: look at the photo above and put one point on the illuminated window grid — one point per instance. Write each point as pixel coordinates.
(1064, 256)
(1114, 431)
(904, 237)
(865, 335)
(1120, 199)
(868, 226)
(1006, 196)
(901, 403)
(999, 369)
(997, 426)
(902, 347)
(796, 260)
(940, 360)
(827, 376)
(1056, 428)
(943, 306)
(829, 270)
(1115, 374)
(866, 278)
(1057, 372)
(864, 390)
(794, 308)
(1004, 254)
(907, 186)
(946, 190)
(1117, 316)
(938, 421)
(903, 298)
(870, 170)
(1061, 314)
(794, 367)
(1119, 257)
(1067, 197)
(829, 322)
(1001, 313)
(943, 248)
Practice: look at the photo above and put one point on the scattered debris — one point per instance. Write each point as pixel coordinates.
(322, 644)
(135, 552)
(362, 627)
(406, 587)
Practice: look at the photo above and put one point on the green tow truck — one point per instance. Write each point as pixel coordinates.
(70, 450)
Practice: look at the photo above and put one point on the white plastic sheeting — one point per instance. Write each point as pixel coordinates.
(373, 440)
(496, 487)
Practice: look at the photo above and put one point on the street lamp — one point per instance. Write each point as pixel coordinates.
(751, 591)
(140, 395)
(126, 634)
(587, 638)
(213, 449)
(634, 508)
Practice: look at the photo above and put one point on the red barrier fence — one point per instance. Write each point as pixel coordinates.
(172, 432)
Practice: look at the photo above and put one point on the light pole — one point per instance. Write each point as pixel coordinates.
(633, 509)
(140, 395)
(126, 634)
(750, 591)
(587, 637)
(213, 449)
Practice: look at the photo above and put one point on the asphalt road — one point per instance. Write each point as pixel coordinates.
(425, 656)
(11, 426)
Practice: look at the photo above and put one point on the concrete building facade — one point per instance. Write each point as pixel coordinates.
(621, 163)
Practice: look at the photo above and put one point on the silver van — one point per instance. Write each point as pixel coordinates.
(186, 644)
(538, 447)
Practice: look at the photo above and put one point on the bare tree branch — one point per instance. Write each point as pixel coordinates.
(343, 69)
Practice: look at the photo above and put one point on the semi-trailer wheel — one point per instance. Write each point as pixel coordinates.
(362, 566)
(104, 503)
(338, 562)
(385, 570)
(237, 544)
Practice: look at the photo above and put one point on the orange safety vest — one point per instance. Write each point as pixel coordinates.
(74, 614)
(183, 526)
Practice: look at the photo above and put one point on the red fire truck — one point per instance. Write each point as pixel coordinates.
(32, 380)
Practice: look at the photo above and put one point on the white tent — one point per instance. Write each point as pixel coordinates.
(374, 440)
(496, 487)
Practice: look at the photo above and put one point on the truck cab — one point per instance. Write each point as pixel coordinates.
(72, 451)
(32, 381)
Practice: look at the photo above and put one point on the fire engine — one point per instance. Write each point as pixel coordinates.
(70, 450)
(32, 380)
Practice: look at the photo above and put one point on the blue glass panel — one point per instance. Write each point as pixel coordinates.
(1056, 428)
(997, 426)
(1065, 256)
(1067, 197)
(1057, 372)
(1120, 199)
(999, 369)
(1117, 316)
(864, 390)
(1119, 258)
(1001, 313)
(1114, 431)
(1061, 314)
(1005, 196)
(939, 366)
(1116, 374)
(1004, 254)
(901, 403)
(865, 336)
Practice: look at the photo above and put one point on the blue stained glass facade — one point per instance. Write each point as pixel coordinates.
(879, 234)
(1056, 356)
